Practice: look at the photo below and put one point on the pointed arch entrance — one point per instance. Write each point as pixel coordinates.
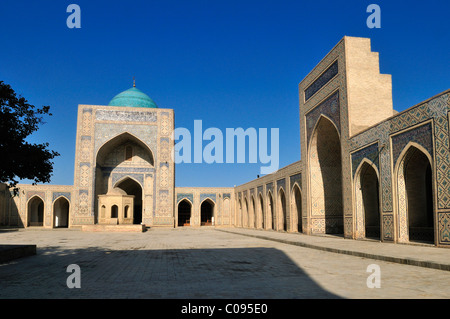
(61, 213)
(245, 220)
(415, 196)
(271, 211)
(36, 211)
(116, 160)
(132, 187)
(297, 206)
(207, 212)
(325, 173)
(184, 213)
(262, 212)
(368, 221)
(239, 219)
(282, 209)
(254, 217)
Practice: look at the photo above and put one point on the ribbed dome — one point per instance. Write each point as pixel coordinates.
(134, 98)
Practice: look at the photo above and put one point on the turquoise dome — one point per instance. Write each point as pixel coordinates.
(133, 97)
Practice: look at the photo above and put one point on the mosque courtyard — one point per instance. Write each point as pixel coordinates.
(206, 262)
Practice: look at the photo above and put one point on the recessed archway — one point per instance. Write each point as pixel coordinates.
(271, 211)
(367, 202)
(415, 196)
(239, 219)
(207, 212)
(132, 187)
(184, 213)
(123, 153)
(282, 209)
(297, 206)
(326, 177)
(254, 219)
(262, 212)
(36, 211)
(114, 211)
(61, 213)
(246, 222)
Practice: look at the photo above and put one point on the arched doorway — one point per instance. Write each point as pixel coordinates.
(36, 212)
(131, 187)
(121, 155)
(206, 212)
(246, 214)
(367, 202)
(326, 177)
(253, 212)
(61, 213)
(297, 206)
(282, 209)
(261, 207)
(415, 194)
(184, 213)
(240, 223)
(114, 211)
(272, 216)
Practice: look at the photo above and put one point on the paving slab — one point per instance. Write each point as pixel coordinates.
(415, 255)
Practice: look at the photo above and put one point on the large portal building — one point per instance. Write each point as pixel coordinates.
(366, 171)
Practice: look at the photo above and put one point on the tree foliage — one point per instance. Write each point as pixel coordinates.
(20, 159)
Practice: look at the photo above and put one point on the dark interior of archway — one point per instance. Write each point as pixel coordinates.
(283, 210)
(206, 213)
(36, 217)
(298, 205)
(261, 205)
(184, 213)
(371, 200)
(419, 194)
(131, 187)
(329, 156)
(63, 211)
(272, 212)
(254, 212)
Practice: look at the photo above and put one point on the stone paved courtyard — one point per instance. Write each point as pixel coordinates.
(199, 263)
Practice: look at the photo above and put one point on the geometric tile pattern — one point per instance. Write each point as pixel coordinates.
(370, 152)
(210, 196)
(422, 135)
(181, 196)
(388, 227)
(323, 79)
(57, 194)
(329, 108)
(297, 178)
(444, 227)
(281, 183)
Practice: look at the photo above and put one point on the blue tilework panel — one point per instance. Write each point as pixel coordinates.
(370, 152)
(330, 108)
(421, 135)
(205, 196)
(323, 79)
(181, 196)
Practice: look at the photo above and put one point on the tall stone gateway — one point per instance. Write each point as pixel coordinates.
(124, 145)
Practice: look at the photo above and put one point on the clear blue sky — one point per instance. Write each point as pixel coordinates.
(229, 63)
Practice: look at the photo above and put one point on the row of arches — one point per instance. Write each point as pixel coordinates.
(36, 209)
(413, 179)
(413, 189)
(207, 212)
(263, 214)
(413, 199)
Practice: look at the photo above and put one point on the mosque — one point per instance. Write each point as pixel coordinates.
(366, 171)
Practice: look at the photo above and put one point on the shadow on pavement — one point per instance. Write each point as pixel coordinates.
(263, 273)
